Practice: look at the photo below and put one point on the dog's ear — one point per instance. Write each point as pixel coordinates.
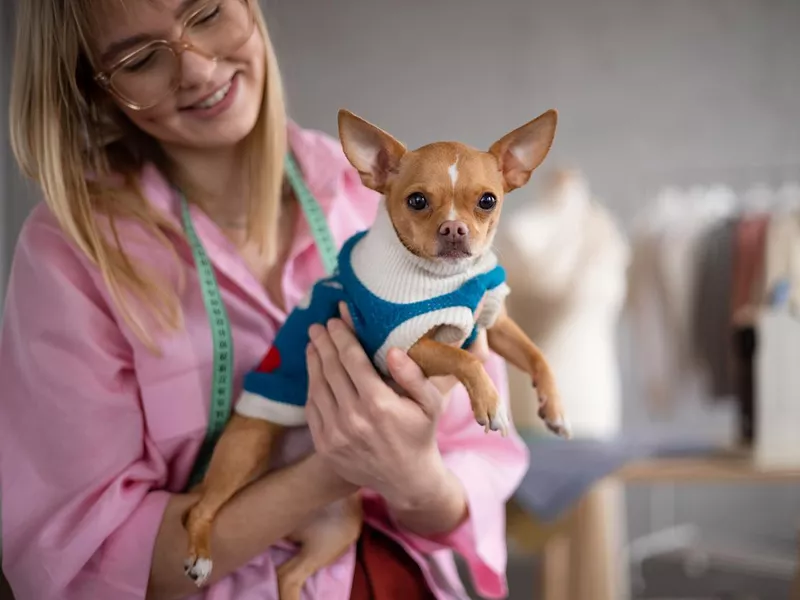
(373, 152)
(518, 153)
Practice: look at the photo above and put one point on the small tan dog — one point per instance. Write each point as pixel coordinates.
(423, 278)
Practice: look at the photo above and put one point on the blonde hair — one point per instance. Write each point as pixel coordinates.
(59, 122)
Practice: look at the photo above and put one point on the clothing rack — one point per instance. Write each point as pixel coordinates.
(677, 267)
(761, 334)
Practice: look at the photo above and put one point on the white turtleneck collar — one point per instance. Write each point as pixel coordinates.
(390, 271)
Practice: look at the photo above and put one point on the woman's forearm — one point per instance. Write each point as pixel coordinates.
(258, 517)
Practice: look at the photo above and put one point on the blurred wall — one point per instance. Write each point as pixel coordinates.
(645, 90)
(7, 229)
(648, 92)
(16, 195)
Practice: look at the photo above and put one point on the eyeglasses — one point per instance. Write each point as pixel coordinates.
(146, 76)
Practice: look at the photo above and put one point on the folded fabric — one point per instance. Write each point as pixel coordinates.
(562, 471)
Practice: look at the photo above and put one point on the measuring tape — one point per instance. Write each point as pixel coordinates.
(222, 383)
(317, 222)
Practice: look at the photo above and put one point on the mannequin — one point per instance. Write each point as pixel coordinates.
(566, 262)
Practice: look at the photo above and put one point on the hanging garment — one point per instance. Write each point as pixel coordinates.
(748, 268)
(713, 330)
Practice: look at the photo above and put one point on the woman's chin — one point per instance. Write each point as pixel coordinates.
(190, 136)
(228, 131)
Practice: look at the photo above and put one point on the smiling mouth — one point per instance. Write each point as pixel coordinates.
(214, 99)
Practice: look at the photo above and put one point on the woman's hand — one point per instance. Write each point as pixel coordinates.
(371, 435)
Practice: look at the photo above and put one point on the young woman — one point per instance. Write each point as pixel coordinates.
(157, 133)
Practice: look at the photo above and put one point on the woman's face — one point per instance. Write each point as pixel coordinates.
(217, 102)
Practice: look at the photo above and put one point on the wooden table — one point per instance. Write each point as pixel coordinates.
(574, 564)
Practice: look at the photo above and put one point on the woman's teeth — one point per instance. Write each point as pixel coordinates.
(216, 98)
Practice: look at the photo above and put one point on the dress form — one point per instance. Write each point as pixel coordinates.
(566, 264)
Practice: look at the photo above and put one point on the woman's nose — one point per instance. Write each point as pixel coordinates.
(197, 70)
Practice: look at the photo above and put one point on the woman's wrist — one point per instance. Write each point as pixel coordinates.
(329, 481)
(435, 502)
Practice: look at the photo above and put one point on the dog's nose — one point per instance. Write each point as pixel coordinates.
(453, 231)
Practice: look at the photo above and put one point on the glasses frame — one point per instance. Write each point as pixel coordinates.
(177, 47)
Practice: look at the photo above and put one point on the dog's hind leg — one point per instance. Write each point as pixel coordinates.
(323, 540)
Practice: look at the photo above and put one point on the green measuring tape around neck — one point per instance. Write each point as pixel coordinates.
(222, 382)
(317, 222)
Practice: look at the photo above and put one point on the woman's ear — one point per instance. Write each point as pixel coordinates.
(519, 152)
(374, 153)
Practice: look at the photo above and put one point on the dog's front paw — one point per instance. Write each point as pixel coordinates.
(198, 570)
(489, 412)
(498, 420)
(550, 409)
(559, 425)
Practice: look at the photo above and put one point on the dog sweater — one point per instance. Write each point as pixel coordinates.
(394, 298)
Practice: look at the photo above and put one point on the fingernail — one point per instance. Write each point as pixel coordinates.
(309, 348)
(315, 331)
(334, 324)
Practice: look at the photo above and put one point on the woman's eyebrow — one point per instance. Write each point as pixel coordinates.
(120, 46)
(116, 48)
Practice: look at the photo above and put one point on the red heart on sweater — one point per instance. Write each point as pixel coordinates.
(271, 361)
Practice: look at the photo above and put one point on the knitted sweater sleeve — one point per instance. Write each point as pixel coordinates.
(277, 389)
(492, 304)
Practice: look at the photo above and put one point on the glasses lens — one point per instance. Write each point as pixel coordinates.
(147, 76)
(221, 27)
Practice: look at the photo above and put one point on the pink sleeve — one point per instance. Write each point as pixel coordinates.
(490, 468)
(78, 477)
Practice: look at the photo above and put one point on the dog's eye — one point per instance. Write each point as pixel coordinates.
(487, 201)
(417, 201)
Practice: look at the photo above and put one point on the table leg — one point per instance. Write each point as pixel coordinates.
(555, 573)
(598, 568)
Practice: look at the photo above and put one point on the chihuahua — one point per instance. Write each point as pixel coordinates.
(423, 278)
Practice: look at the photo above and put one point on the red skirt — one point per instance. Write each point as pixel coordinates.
(384, 571)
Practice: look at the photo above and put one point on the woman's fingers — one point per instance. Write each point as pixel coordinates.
(411, 378)
(345, 313)
(332, 368)
(316, 424)
(320, 404)
(357, 364)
